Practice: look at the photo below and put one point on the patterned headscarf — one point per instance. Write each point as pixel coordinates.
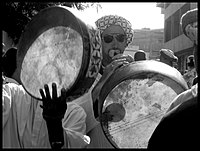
(108, 20)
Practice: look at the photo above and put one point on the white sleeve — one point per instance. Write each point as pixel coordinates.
(6, 103)
(16, 104)
(74, 125)
(179, 99)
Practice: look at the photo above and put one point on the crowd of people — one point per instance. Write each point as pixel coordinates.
(55, 123)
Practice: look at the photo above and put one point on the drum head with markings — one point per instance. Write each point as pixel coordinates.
(134, 99)
(58, 47)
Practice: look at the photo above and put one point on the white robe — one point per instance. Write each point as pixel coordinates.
(24, 127)
(184, 96)
(93, 127)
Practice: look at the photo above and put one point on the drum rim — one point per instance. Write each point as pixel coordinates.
(139, 67)
(55, 20)
(124, 74)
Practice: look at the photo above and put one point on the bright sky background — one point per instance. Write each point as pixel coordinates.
(141, 15)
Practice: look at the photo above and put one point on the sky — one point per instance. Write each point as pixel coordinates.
(141, 15)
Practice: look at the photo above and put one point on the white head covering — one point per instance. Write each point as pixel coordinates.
(108, 20)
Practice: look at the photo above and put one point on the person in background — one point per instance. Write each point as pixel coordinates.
(190, 75)
(140, 55)
(167, 56)
(116, 34)
(7, 42)
(179, 127)
(189, 26)
(28, 122)
(175, 65)
(9, 64)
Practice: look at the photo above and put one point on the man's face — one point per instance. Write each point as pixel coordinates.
(113, 43)
(192, 32)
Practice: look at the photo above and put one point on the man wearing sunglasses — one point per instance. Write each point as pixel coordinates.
(116, 35)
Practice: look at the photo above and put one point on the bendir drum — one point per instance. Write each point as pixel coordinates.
(56, 46)
(134, 99)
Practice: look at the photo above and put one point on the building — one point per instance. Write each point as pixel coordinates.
(151, 41)
(174, 38)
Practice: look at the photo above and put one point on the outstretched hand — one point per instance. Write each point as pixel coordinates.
(53, 111)
(55, 107)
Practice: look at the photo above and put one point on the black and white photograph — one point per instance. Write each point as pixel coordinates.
(100, 75)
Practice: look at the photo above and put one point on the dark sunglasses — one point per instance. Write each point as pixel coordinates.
(109, 38)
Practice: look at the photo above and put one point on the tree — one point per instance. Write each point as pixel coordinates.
(16, 15)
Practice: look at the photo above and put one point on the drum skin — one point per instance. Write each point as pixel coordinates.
(54, 17)
(147, 69)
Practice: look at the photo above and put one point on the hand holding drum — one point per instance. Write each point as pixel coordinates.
(118, 61)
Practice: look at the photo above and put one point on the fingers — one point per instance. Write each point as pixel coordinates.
(121, 57)
(43, 98)
(42, 94)
(54, 91)
(130, 59)
(48, 97)
(118, 63)
(63, 95)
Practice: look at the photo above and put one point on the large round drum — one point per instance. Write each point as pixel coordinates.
(134, 99)
(56, 46)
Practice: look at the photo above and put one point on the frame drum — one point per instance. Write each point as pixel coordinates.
(134, 99)
(58, 47)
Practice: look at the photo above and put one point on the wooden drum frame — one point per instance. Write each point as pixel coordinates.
(53, 34)
(145, 90)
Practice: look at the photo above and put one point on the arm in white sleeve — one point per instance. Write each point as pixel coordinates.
(15, 111)
(74, 125)
(6, 103)
(182, 97)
